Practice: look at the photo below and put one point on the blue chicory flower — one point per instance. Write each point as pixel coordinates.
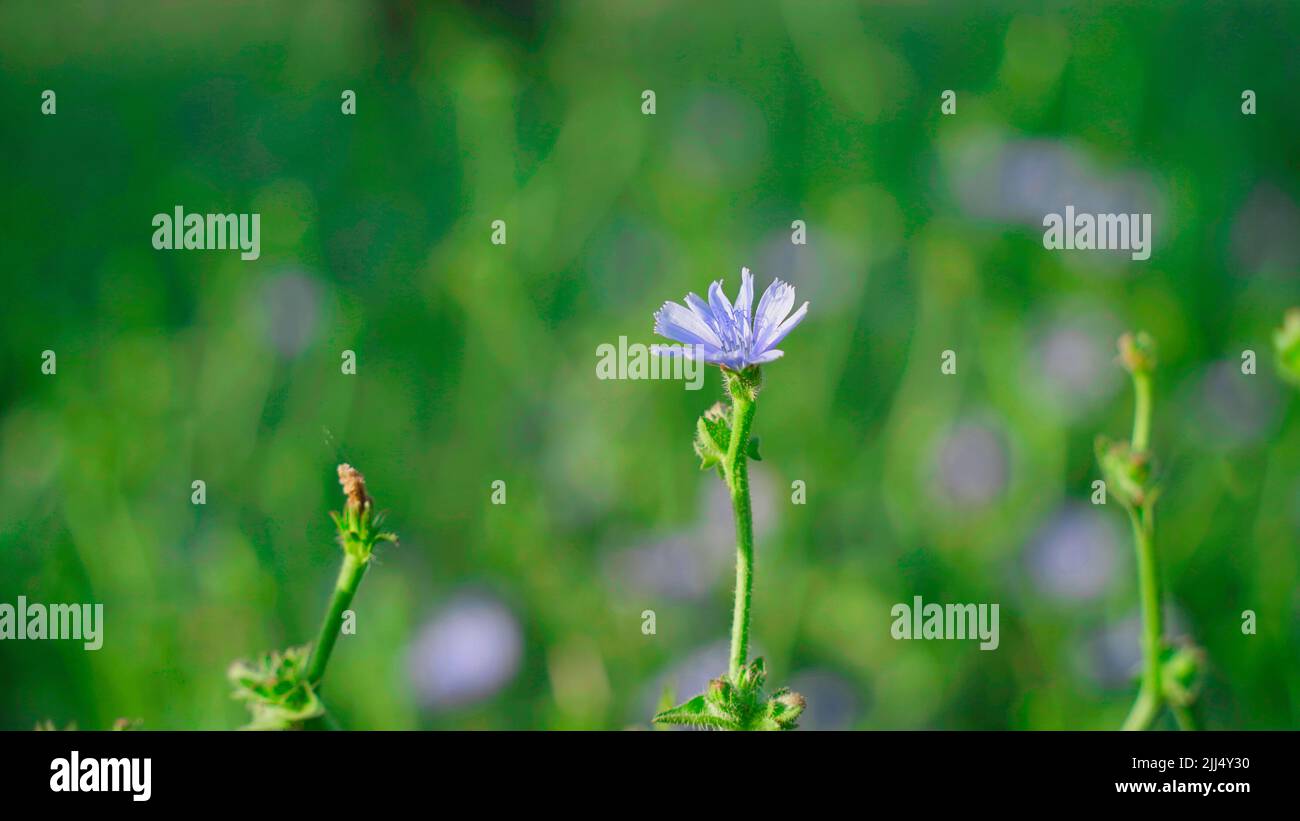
(733, 336)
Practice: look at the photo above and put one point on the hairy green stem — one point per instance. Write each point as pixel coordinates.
(345, 588)
(736, 473)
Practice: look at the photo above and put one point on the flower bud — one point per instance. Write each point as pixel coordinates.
(751, 677)
(1286, 343)
(354, 487)
(785, 708)
(358, 524)
(1180, 674)
(720, 691)
(1128, 473)
(712, 436)
(1137, 352)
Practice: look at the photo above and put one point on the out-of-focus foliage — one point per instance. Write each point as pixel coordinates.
(476, 362)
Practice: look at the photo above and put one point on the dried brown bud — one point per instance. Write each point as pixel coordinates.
(785, 709)
(719, 689)
(717, 413)
(793, 701)
(354, 487)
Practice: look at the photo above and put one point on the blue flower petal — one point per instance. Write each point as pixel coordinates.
(767, 356)
(679, 324)
(785, 328)
(744, 307)
(777, 301)
(701, 352)
(701, 309)
(721, 307)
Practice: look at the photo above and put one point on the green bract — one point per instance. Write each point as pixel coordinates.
(276, 690)
(713, 436)
(359, 530)
(738, 705)
(1128, 473)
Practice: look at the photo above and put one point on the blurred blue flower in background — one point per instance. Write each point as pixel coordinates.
(1075, 554)
(466, 652)
(971, 465)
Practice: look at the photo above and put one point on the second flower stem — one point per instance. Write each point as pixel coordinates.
(736, 473)
(1141, 412)
(1150, 694)
(345, 588)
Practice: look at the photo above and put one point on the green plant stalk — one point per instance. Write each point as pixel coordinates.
(1143, 712)
(350, 575)
(1150, 696)
(736, 473)
(1185, 715)
(1141, 412)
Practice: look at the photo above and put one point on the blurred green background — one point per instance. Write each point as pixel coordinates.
(476, 362)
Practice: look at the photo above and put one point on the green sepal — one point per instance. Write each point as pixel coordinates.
(744, 384)
(358, 532)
